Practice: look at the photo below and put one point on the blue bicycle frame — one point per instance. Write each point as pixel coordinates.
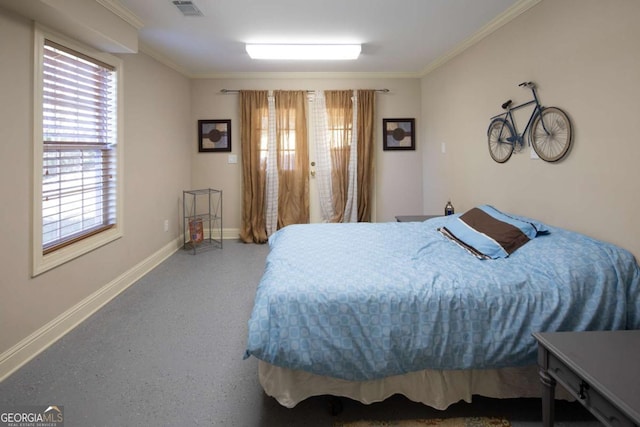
(508, 115)
(548, 130)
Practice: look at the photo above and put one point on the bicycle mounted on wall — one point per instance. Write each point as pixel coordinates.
(549, 131)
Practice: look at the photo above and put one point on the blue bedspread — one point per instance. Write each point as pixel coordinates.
(370, 300)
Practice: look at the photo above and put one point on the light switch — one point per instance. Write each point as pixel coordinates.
(233, 158)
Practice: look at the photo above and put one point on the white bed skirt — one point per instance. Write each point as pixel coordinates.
(434, 388)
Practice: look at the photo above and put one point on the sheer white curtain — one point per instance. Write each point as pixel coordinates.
(325, 143)
(351, 206)
(272, 183)
(323, 155)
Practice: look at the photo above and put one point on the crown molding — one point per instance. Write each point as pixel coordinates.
(505, 17)
(511, 13)
(309, 75)
(146, 49)
(115, 7)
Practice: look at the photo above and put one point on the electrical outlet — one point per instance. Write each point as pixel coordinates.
(166, 225)
(533, 155)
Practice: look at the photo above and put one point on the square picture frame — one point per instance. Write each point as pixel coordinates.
(214, 136)
(398, 134)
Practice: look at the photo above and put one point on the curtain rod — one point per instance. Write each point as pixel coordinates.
(309, 91)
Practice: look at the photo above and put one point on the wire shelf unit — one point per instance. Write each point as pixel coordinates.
(202, 219)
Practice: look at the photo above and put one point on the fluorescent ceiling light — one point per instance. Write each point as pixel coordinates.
(303, 51)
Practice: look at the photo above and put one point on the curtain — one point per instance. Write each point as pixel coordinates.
(349, 139)
(323, 156)
(365, 124)
(253, 126)
(339, 121)
(293, 157)
(272, 178)
(275, 158)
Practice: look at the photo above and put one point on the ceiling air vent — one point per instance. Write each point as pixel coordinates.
(187, 8)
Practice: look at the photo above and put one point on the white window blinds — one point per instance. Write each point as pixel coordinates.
(79, 146)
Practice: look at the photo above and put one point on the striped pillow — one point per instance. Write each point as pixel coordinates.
(488, 233)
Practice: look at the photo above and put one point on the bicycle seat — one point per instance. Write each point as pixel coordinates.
(506, 105)
(527, 84)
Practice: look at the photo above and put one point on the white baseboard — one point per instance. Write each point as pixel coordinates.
(25, 350)
(15, 357)
(227, 234)
(230, 233)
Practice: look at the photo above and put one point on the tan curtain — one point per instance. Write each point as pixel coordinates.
(253, 123)
(340, 118)
(293, 157)
(366, 116)
(292, 160)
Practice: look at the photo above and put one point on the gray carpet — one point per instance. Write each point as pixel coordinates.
(168, 351)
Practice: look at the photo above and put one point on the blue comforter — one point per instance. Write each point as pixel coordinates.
(370, 300)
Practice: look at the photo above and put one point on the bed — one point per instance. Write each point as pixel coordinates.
(369, 310)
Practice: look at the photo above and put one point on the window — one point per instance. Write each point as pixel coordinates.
(76, 206)
(264, 137)
(340, 123)
(287, 143)
(287, 146)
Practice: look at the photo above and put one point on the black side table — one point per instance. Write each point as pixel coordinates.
(415, 218)
(601, 369)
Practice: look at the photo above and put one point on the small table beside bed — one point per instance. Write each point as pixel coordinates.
(437, 310)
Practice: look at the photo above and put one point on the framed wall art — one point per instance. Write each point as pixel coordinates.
(398, 134)
(214, 136)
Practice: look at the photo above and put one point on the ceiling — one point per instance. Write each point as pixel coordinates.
(398, 37)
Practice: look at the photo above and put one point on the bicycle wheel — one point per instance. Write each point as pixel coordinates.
(552, 141)
(500, 147)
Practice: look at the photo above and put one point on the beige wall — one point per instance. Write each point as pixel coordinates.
(398, 185)
(160, 160)
(156, 169)
(582, 53)
(584, 56)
